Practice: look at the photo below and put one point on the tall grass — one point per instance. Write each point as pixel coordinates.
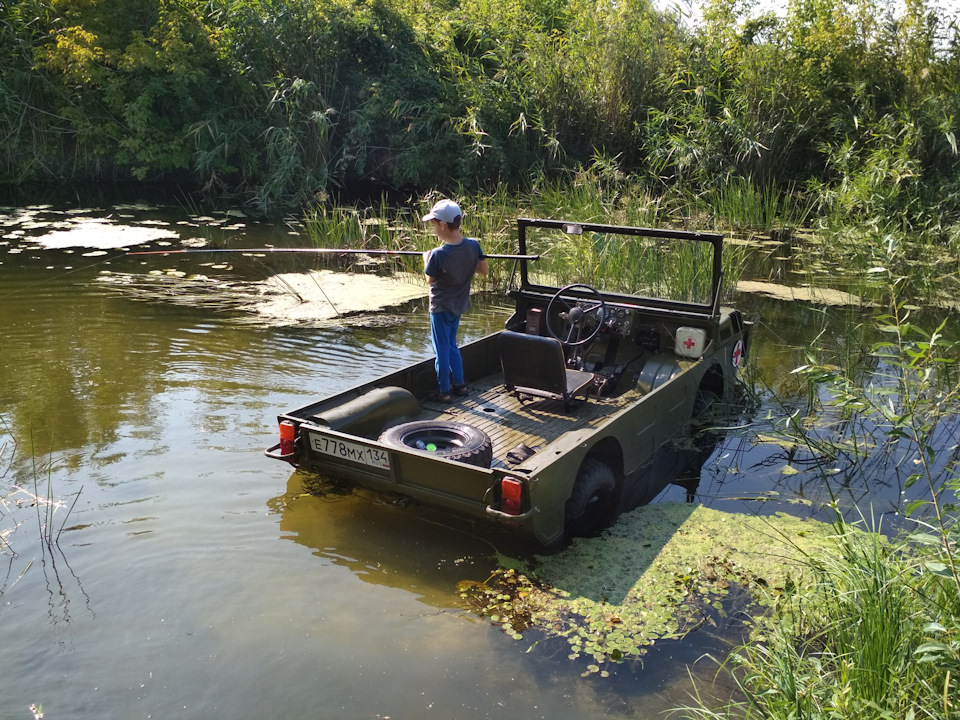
(742, 204)
(681, 271)
(875, 633)
(677, 270)
(870, 264)
(865, 638)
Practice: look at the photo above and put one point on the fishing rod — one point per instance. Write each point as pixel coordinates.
(323, 251)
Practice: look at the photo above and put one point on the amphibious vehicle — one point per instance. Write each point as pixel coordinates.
(567, 407)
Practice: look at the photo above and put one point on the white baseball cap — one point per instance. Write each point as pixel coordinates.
(445, 211)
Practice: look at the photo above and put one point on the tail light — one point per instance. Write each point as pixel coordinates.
(288, 436)
(511, 491)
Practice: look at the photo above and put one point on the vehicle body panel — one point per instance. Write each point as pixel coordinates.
(649, 387)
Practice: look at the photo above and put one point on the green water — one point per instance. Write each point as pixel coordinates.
(187, 575)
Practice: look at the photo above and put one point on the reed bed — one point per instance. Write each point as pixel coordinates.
(18, 502)
(628, 265)
(876, 633)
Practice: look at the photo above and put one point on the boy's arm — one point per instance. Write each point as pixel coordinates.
(482, 267)
(426, 260)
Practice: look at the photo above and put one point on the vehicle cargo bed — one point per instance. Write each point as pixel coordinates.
(508, 421)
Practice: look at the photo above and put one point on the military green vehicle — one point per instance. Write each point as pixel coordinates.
(568, 406)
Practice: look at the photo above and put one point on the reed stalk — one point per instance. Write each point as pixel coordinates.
(876, 632)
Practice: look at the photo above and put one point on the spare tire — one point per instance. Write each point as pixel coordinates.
(448, 440)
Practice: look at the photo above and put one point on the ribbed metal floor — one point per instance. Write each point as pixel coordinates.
(508, 421)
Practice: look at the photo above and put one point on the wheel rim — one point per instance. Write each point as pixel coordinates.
(441, 440)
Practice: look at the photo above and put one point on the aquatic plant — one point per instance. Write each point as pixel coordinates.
(904, 400)
(879, 264)
(876, 631)
(629, 265)
(7, 450)
(659, 573)
(18, 500)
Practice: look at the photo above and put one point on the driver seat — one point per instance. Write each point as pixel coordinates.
(535, 365)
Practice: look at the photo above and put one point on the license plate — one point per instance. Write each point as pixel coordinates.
(355, 452)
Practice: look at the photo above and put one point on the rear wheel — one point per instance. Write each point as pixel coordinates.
(705, 401)
(449, 440)
(590, 505)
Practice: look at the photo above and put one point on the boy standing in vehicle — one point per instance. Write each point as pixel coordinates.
(450, 269)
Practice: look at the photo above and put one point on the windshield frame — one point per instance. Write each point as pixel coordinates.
(710, 309)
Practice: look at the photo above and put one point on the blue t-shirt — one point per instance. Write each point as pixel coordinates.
(453, 266)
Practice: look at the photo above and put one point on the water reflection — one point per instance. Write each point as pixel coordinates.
(427, 555)
(384, 544)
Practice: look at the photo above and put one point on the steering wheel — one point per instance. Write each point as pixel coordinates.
(576, 316)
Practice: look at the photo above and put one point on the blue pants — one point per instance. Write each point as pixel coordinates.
(443, 330)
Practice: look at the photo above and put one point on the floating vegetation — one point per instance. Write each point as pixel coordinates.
(47, 228)
(510, 599)
(318, 296)
(178, 289)
(326, 294)
(655, 575)
(817, 295)
(102, 234)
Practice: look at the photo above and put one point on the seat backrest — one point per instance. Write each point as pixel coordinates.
(532, 361)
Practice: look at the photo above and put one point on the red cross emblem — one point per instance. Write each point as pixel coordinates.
(689, 343)
(737, 353)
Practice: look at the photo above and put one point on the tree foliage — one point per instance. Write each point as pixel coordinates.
(279, 100)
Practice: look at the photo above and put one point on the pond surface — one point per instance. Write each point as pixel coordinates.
(183, 574)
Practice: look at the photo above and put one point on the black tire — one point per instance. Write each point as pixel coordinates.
(589, 507)
(452, 441)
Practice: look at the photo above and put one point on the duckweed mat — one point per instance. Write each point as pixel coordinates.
(649, 577)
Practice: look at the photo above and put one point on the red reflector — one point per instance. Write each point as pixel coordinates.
(510, 492)
(288, 435)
